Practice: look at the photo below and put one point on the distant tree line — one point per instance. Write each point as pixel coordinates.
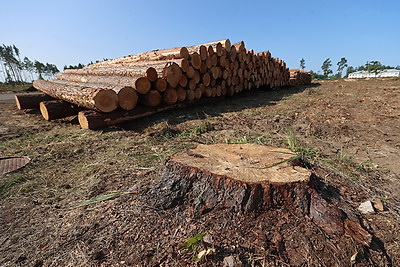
(15, 70)
(80, 65)
(327, 73)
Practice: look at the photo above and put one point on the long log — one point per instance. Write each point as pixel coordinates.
(30, 101)
(89, 119)
(127, 96)
(141, 84)
(57, 109)
(149, 70)
(104, 100)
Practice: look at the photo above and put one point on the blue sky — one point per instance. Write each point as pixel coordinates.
(80, 31)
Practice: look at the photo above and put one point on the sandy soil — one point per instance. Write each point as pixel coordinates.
(84, 200)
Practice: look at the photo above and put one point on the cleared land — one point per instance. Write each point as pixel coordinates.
(83, 198)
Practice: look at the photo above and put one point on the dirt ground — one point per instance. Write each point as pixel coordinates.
(83, 200)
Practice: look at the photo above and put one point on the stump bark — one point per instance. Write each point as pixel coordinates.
(241, 177)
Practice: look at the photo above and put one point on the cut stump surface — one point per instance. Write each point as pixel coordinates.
(244, 162)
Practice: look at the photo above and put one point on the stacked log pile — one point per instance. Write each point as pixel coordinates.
(159, 79)
(299, 77)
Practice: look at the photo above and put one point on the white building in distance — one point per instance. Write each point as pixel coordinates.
(388, 73)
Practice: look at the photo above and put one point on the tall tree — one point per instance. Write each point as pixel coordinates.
(13, 66)
(302, 64)
(29, 67)
(18, 62)
(40, 68)
(341, 65)
(326, 65)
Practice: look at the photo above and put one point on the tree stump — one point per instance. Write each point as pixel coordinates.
(241, 177)
(247, 178)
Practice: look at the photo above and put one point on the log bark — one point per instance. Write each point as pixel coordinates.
(30, 101)
(127, 95)
(104, 100)
(240, 177)
(89, 119)
(151, 70)
(141, 84)
(57, 109)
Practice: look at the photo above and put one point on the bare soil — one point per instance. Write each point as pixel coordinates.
(84, 200)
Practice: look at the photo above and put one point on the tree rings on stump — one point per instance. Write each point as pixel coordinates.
(241, 177)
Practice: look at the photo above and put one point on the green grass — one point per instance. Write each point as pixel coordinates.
(313, 91)
(16, 88)
(199, 129)
(305, 153)
(347, 165)
(169, 131)
(100, 198)
(14, 185)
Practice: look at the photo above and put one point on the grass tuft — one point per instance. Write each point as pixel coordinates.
(305, 154)
(100, 198)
